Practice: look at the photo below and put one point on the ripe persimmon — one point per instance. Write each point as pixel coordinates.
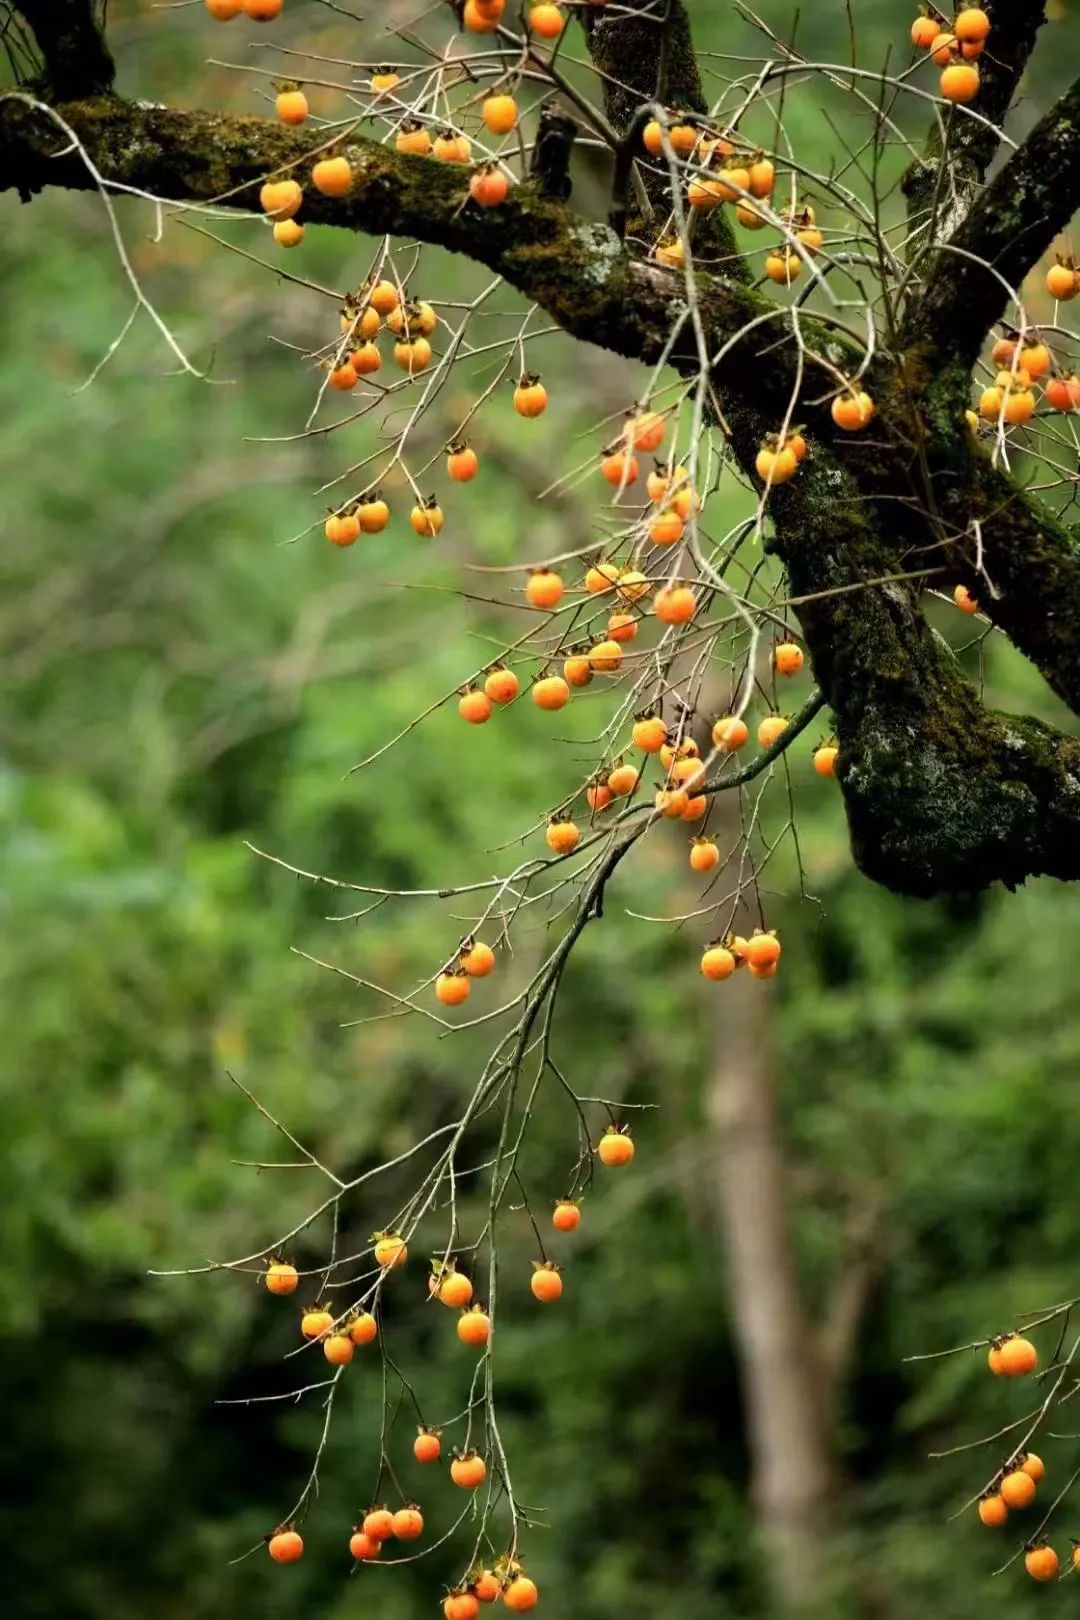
(427, 1447)
(520, 1594)
(452, 989)
(461, 1606)
(992, 1509)
(776, 466)
(622, 627)
(363, 1548)
(1034, 1465)
(717, 962)
(971, 24)
(645, 430)
(788, 658)
(675, 604)
(530, 396)
(1018, 1357)
(474, 1326)
(501, 685)
(316, 1321)
(462, 462)
(598, 796)
(453, 1289)
(285, 1546)
(567, 1215)
(964, 600)
(1017, 1489)
(332, 176)
(782, 267)
(544, 588)
(1035, 359)
(619, 466)
(281, 1278)
(450, 147)
(761, 949)
(960, 82)
(413, 355)
(488, 186)
(546, 20)
(474, 706)
(263, 10)
(602, 576)
(280, 199)
(338, 1349)
(704, 855)
(852, 411)
(730, 732)
(390, 1250)
(632, 585)
(1062, 393)
(477, 959)
(577, 671)
(408, 1523)
(551, 692)
(499, 112)
(606, 657)
(623, 779)
(615, 1148)
(562, 837)
(365, 358)
(666, 528)
(427, 519)
(378, 1523)
(1063, 280)
(486, 1587)
(224, 10)
(943, 48)
(924, 31)
(470, 1470)
(771, 729)
(649, 733)
(372, 512)
(672, 802)
(291, 104)
(545, 1282)
(288, 233)
(413, 138)
(363, 1328)
(825, 759)
(1042, 1563)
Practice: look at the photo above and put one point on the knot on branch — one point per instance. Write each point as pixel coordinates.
(551, 154)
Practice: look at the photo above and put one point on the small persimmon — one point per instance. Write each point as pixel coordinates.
(924, 31)
(343, 377)
(1063, 281)
(427, 1447)
(825, 759)
(413, 138)
(363, 1328)
(776, 466)
(666, 528)
(649, 733)
(315, 1322)
(480, 18)
(452, 989)
(280, 199)
(338, 1349)
(730, 733)
(501, 685)
(263, 10)
(486, 1586)
(1034, 1465)
(378, 1523)
(449, 147)
(530, 396)
(704, 855)
(1062, 393)
(670, 252)
(364, 1548)
(717, 962)
(1035, 359)
(971, 24)
(499, 112)
(461, 1606)
(632, 585)
(365, 358)
(474, 706)
(675, 604)
(686, 749)
(372, 512)
(992, 1509)
(577, 671)
(452, 1289)
(1042, 1563)
(601, 577)
(960, 82)
(427, 519)
(488, 186)
(408, 1524)
(288, 233)
(761, 949)
(562, 837)
(672, 802)
(645, 430)
(281, 1278)
(615, 1148)
(551, 692)
(788, 658)
(623, 779)
(474, 1326)
(477, 959)
(964, 600)
(291, 104)
(619, 466)
(545, 1282)
(413, 354)
(783, 267)
(468, 1471)
(1017, 1489)
(462, 462)
(567, 1215)
(598, 796)
(606, 657)
(852, 411)
(224, 10)
(1018, 1357)
(285, 1546)
(546, 20)
(762, 174)
(390, 1249)
(332, 176)
(544, 588)
(520, 1594)
(622, 627)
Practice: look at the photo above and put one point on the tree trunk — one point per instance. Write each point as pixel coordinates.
(791, 1463)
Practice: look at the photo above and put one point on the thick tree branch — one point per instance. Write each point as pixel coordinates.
(76, 58)
(937, 194)
(1012, 224)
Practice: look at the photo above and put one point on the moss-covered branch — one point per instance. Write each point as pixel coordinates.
(1007, 230)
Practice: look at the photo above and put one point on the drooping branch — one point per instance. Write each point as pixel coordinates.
(1007, 230)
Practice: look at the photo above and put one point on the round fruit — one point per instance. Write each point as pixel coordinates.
(1034, 1465)
(563, 837)
(291, 105)
(992, 1509)
(960, 82)
(501, 686)
(315, 1322)
(288, 233)
(408, 1524)
(730, 733)
(427, 520)
(280, 199)
(1017, 1489)
(285, 1546)
(478, 961)
(364, 1547)
(771, 729)
(530, 397)
(521, 1594)
(675, 604)
(363, 1328)
(577, 671)
(567, 1216)
(964, 600)
(474, 706)
(1018, 1356)
(281, 1278)
(390, 1250)
(427, 1447)
(852, 411)
(762, 950)
(615, 1148)
(462, 463)
(1063, 282)
(649, 734)
(468, 1471)
(971, 24)
(546, 1283)
(718, 963)
(332, 176)
(776, 466)
(499, 112)
(461, 1606)
(788, 658)
(378, 1524)
(623, 779)
(825, 759)
(488, 186)
(474, 1326)
(545, 588)
(486, 1586)
(619, 467)
(704, 855)
(551, 692)
(455, 1290)
(338, 1349)
(1042, 1563)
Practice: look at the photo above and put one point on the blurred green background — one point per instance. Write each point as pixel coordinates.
(178, 680)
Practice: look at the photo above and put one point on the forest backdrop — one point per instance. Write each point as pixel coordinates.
(177, 681)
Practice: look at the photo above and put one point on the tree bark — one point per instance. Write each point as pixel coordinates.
(792, 1467)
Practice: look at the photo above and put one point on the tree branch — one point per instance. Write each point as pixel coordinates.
(1007, 230)
(77, 60)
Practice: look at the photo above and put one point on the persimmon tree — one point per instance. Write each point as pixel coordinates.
(872, 355)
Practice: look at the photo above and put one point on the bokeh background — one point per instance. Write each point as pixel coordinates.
(177, 680)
